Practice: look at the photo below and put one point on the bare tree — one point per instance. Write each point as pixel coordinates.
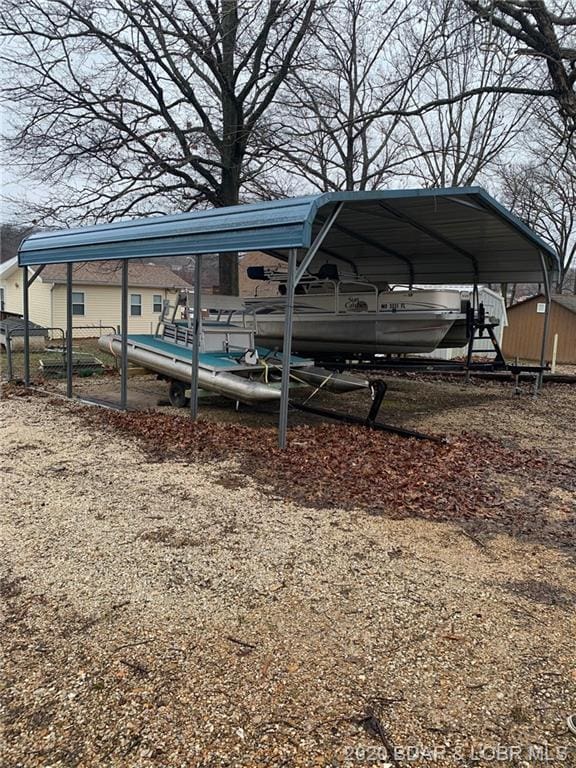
(463, 139)
(545, 33)
(340, 126)
(399, 90)
(542, 191)
(142, 106)
(11, 235)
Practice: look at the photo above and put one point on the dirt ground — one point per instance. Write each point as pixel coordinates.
(187, 596)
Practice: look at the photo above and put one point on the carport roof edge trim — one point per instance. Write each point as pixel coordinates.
(268, 225)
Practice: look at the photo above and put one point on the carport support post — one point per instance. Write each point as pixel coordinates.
(69, 268)
(124, 338)
(287, 349)
(26, 310)
(9, 361)
(196, 338)
(546, 278)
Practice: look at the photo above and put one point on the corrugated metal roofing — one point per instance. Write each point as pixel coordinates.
(427, 235)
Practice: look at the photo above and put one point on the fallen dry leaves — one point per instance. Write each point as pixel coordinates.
(346, 466)
(465, 477)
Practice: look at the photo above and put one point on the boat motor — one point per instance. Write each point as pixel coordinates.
(257, 273)
(250, 357)
(328, 272)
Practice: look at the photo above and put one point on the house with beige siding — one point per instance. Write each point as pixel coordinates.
(96, 299)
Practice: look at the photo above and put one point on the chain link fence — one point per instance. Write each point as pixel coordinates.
(48, 354)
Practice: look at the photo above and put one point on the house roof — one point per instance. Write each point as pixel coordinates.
(249, 287)
(108, 273)
(437, 236)
(568, 302)
(7, 267)
(565, 300)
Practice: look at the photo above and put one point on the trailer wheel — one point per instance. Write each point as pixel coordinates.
(177, 394)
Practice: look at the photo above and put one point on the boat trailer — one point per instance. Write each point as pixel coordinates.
(480, 327)
(378, 390)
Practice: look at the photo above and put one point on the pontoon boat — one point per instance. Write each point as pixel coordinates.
(337, 314)
(230, 362)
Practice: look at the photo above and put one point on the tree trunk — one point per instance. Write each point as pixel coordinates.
(232, 140)
(228, 283)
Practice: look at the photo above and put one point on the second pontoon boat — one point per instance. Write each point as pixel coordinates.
(337, 314)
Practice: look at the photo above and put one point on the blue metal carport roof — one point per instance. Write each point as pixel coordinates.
(426, 235)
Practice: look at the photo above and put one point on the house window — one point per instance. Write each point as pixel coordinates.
(136, 304)
(2, 299)
(157, 303)
(78, 305)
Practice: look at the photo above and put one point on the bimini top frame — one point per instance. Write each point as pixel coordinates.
(434, 236)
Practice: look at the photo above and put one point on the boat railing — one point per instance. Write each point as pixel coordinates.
(357, 301)
(321, 288)
(213, 336)
(182, 335)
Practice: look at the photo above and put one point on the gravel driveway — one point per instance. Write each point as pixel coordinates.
(166, 613)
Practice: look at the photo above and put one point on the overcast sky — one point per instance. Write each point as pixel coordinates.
(13, 186)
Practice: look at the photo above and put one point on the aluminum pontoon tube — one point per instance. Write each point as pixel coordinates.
(330, 380)
(227, 384)
(231, 384)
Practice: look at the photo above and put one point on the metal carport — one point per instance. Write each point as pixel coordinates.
(434, 236)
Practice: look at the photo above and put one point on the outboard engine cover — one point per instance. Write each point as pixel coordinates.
(250, 357)
(257, 273)
(328, 272)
